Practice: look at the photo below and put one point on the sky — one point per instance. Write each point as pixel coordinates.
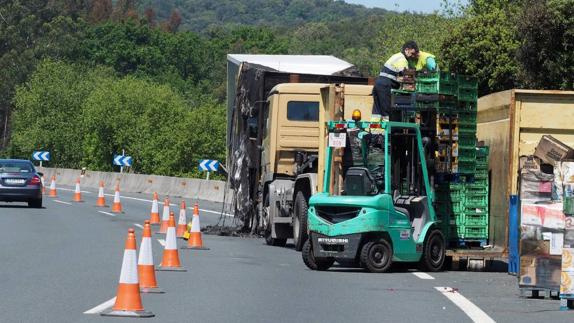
(425, 6)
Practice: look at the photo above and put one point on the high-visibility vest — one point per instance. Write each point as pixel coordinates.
(394, 65)
(421, 62)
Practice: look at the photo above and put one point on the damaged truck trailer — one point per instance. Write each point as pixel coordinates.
(273, 122)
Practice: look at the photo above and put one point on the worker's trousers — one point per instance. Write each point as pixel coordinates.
(382, 95)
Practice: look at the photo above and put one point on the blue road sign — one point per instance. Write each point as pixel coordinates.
(208, 165)
(122, 160)
(41, 155)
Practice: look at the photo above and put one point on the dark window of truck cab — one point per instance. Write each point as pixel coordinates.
(302, 111)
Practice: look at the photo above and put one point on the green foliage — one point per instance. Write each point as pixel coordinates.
(485, 43)
(48, 111)
(547, 38)
(203, 15)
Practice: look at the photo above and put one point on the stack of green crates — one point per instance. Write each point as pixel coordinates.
(464, 205)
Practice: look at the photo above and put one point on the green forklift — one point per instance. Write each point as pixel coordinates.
(376, 204)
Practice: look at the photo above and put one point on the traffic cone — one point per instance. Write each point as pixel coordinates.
(154, 217)
(182, 223)
(164, 217)
(117, 206)
(146, 270)
(128, 300)
(53, 192)
(170, 260)
(195, 241)
(78, 192)
(101, 202)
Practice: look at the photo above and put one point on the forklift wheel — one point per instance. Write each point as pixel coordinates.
(377, 256)
(313, 263)
(434, 252)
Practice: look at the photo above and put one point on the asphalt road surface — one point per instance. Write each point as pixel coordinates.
(62, 264)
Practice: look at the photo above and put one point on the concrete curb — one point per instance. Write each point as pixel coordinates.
(139, 183)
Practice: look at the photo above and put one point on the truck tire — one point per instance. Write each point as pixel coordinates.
(434, 252)
(377, 256)
(300, 221)
(313, 263)
(269, 240)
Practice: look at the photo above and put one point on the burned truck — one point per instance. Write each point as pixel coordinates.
(275, 109)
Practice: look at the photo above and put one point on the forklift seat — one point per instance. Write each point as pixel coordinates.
(417, 207)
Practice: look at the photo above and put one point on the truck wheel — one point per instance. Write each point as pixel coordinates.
(377, 256)
(300, 221)
(313, 263)
(434, 252)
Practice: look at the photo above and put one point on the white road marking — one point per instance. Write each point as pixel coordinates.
(138, 225)
(423, 275)
(471, 310)
(73, 190)
(107, 213)
(161, 242)
(102, 307)
(62, 202)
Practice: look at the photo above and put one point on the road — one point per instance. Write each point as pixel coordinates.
(64, 260)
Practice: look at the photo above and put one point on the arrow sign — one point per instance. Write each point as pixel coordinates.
(208, 165)
(123, 160)
(41, 155)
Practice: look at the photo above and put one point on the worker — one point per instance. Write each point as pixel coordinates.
(389, 78)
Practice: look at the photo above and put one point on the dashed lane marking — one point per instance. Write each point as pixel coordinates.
(139, 225)
(102, 307)
(62, 202)
(468, 307)
(161, 242)
(73, 190)
(107, 213)
(423, 275)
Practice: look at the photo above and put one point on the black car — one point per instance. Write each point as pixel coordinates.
(20, 182)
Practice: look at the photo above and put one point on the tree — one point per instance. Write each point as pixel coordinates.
(484, 44)
(174, 21)
(100, 11)
(547, 39)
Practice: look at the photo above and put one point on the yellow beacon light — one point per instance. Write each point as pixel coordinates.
(357, 115)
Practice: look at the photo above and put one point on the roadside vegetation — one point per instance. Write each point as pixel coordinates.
(88, 78)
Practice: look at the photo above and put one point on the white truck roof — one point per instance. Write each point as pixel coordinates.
(297, 64)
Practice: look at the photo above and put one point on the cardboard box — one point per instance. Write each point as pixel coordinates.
(551, 150)
(535, 186)
(527, 271)
(542, 272)
(567, 283)
(529, 164)
(568, 259)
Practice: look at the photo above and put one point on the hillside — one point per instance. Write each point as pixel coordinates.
(203, 15)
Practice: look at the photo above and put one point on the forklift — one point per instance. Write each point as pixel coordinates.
(376, 205)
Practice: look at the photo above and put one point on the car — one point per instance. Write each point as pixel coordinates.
(20, 182)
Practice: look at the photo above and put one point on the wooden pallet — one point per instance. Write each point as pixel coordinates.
(535, 292)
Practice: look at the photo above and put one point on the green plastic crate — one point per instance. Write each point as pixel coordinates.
(467, 82)
(482, 151)
(466, 141)
(448, 77)
(475, 219)
(476, 232)
(467, 95)
(448, 88)
(467, 106)
(427, 86)
(456, 219)
(422, 105)
(482, 165)
(465, 167)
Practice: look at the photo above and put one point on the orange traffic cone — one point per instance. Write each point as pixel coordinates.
(195, 241)
(128, 299)
(146, 270)
(117, 206)
(182, 223)
(78, 192)
(170, 260)
(101, 199)
(164, 217)
(53, 192)
(154, 217)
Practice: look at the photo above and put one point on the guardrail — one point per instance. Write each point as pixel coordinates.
(140, 183)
